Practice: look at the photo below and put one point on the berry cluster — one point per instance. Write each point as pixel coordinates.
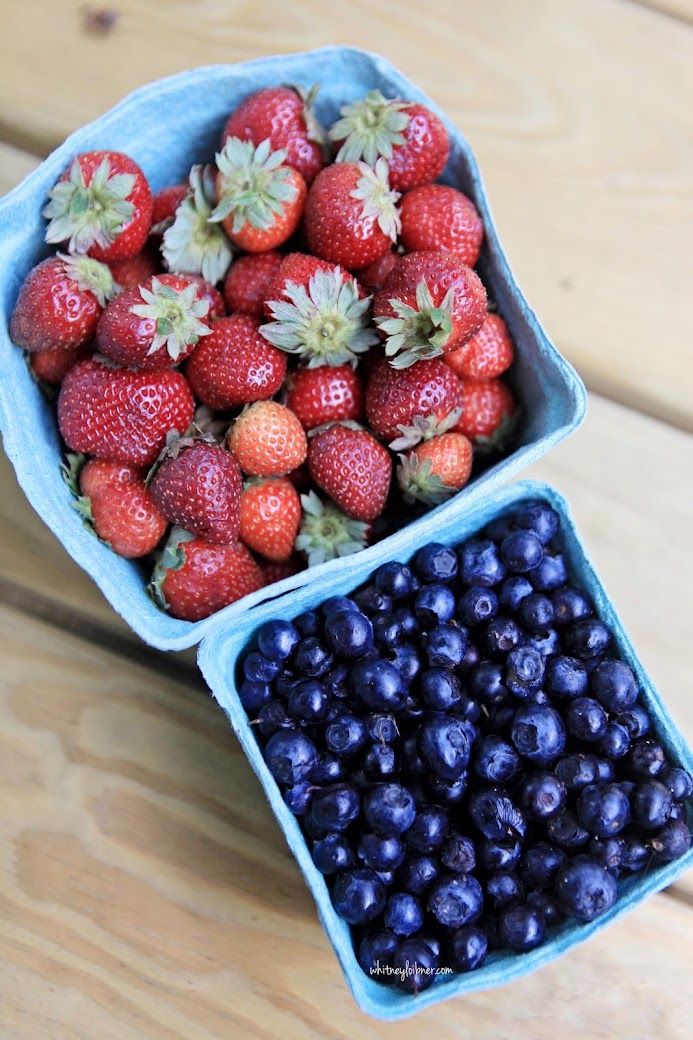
(469, 760)
(277, 362)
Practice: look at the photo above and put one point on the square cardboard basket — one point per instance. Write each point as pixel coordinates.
(219, 661)
(166, 127)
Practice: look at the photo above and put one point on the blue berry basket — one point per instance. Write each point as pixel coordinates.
(219, 657)
(167, 126)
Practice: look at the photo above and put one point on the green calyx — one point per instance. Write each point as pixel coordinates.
(419, 483)
(369, 128)
(90, 276)
(417, 332)
(326, 533)
(423, 427)
(498, 442)
(326, 324)
(315, 131)
(255, 185)
(379, 200)
(70, 470)
(193, 245)
(177, 314)
(86, 215)
(171, 558)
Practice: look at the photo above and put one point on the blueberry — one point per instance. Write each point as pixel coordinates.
(382, 727)
(285, 682)
(652, 803)
(458, 854)
(585, 719)
(394, 580)
(434, 604)
(536, 612)
(403, 914)
(603, 809)
(444, 646)
(636, 720)
(605, 769)
(671, 842)
(524, 670)
(645, 760)
(439, 689)
(380, 853)
(312, 657)
(521, 928)
(615, 742)
(500, 718)
(379, 685)
(290, 756)
(491, 810)
(678, 781)
(348, 633)
(336, 680)
(259, 668)
(308, 701)
(678, 811)
(408, 622)
(358, 895)
(277, 639)
(332, 854)
(613, 684)
(406, 660)
(416, 965)
(497, 855)
(380, 761)
(335, 603)
(418, 873)
(345, 735)
(521, 551)
(584, 888)
(541, 863)
(477, 605)
(541, 795)
(274, 716)
(513, 591)
(565, 677)
(389, 809)
(327, 770)
(497, 528)
(429, 830)
(549, 574)
(576, 770)
(494, 759)
(538, 733)
(387, 631)
(608, 852)
(538, 517)
(436, 562)
(456, 900)
(335, 807)
(587, 638)
(570, 604)
(548, 643)
(503, 889)
(298, 798)
(480, 563)
(445, 744)
(411, 759)
(307, 624)
(253, 695)
(376, 951)
(447, 792)
(486, 684)
(564, 830)
(636, 854)
(371, 601)
(468, 948)
(501, 636)
(546, 907)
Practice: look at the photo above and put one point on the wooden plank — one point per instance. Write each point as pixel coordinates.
(146, 889)
(15, 164)
(681, 9)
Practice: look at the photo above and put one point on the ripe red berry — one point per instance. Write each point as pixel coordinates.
(487, 355)
(198, 487)
(235, 365)
(486, 403)
(411, 404)
(349, 465)
(248, 282)
(438, 217)
(325, 394)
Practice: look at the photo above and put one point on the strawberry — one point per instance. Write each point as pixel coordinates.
(260, 199)
(97, 474)
(60, 303)
(101, 206)
(436, 469)
(411, 137)
(248, 281)
(154, 325)
(115, 413)
(134, 270)
(299, 268)
(437, 217)
(270, 515)
(235, 365)
(430, 303)
(326, 533)
(164, 206)
(124, 516)
(198, 487)
(407, 405)
(274, 571)
(373, 276)
(321, 395)
(52, 365)
(284, 116)
(191, 243)
(487, 355)
(267, 440)
(487, 403)
(351, 217)
(349, 465)
(194, 578)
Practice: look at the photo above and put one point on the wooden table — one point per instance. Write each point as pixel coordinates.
(146, 892)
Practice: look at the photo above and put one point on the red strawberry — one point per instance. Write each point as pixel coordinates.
(60, 303)
(437, 217)
(321, 395)
(411, 404)
(97, 474)
(430, 303)
(194, 578)
(299, 268)
(326, 533)
(235, 365)
(53, 365)
(486, 404)
(115, 413)
(192, 243)
(198, 487)
(351, 217)
(267, 440)
(260, 199)
(124, 515)
(349, 464)
(154, 325)
(411, 137)
(487, 355)
(164, 206)
(101, 206)
(284, 116)
(137, 269)
(270, 515)
(273, 571)
(436, 469)
(373, 276)
(248, 281)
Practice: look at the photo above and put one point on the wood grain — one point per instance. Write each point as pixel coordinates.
(146, 891)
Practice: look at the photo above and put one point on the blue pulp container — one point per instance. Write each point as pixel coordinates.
(218, 659)
(166, 127)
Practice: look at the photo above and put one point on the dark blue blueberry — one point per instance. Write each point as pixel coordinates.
(358, 895)
(564, 830)
(480, 563)
(411, 759)
(456, 900)
(538, 733)
(603, 809)
(636, 720)
(503, 889)
(468, 708)
(615, 742)
(376, 951)
(312, 657)
(274, 716)
(468, 948)
(565, 677)
(337, 603)
(389, 809)
(290, 756)
(501, 636)
(541, 794)
(521, 551)
(387, 631)
(408, 622)
(608, 852)
(497, 855)
(678, 811)
(652, 803)
(335, 807)
(605, 769)
(328, 770)
(394, 580)
(439, 689)
(586, 719)
(435, 562)
(285, 682)
(477, 605)
(486, 685)
(307, 624)
(333, 853)
(536, 612)
(587, 638)
(678, 781)
(444, 646)
(497, 528)
(372, 601)
(546, 907)
(277, 639)
(388, 877)
(513, 591)
(550, 574)
(613, 684)
(382, 727)
(539, 697)
(538, 517)
(447, 792)
(429, 830)
(445, 744)
(671, 842)
(645, 760)
(403, 914)
(253, 695)
(405, 659)
(308, 701)
(524, 670)
(298, 798)
(585, 889)
(547, 643)
(258, 668)
(345, 735)
(458, 854)
(500, 719)
(491, 810)
(521, 928)
(636, 854)
(416, 965)
(576, 770)
(434, 604)
(380, 853)
(541, 863)
(336, 681)
(418, 873)
(380, 761)
(348, 633)
(570, 604)
(379, 685)
(494, 759)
